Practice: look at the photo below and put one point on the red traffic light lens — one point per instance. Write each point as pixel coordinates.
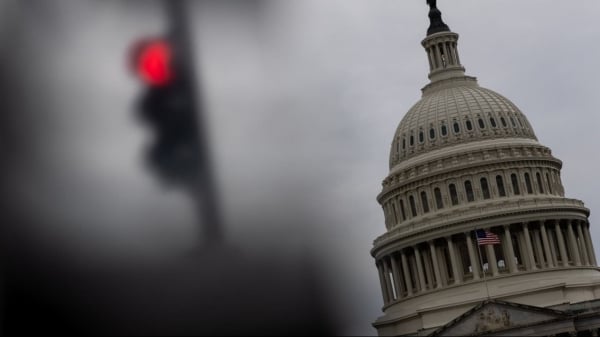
(154, 62)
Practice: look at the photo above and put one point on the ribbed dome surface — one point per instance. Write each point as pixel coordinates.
(457, 114)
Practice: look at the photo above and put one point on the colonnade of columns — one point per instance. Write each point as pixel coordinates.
(442, 54)
(457, 258)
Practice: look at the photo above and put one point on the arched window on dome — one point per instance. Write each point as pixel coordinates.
(413, 207)
(549, 183)
(424, 202)
(444, 130)
(404, 143)
(469, 125)
(539, 181)
(485, 189)
(456, 127)
(493, 122)
(402, 212)
(512, 121)
(528, 184)
(412, 140)
(503, 121)
(438, 198)
(421, 137)
(515, 184)
(481, 123)
(432, 133)
(500, 185)
(469, 191)
(453, 194)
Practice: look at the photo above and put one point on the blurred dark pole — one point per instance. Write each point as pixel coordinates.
(203, 187)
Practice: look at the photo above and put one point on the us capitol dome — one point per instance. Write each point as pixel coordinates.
(480, 238)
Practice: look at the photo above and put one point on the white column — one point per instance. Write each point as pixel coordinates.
(438, 57)
(446, 57)
(553, 248)
(523, 250)
(433, 59)
(491, 257)
(472, 257)
(456, 53)
(429, 57)
(537, 243)
(451, 54)
(397, 278)
(412, 265)
(384, 289)
(453, 261)
(582, 244)
(590, 245)
(397, 211)
(388, 279)
(509, 254)
(420, 274)
(529, 249)
(390, 214)
(443, 267)
(407, 280)
(546, 244)
(573, 243)
(436, 266)
(561, 244)
(428, 268)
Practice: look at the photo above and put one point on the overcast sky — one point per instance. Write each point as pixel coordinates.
(303, 98)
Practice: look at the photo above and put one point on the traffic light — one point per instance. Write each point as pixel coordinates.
(167, 106)
(171, 106)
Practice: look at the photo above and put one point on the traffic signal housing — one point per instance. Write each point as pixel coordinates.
(168, 107)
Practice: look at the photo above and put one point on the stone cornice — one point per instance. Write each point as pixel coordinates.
(449, 82)
(439, 37)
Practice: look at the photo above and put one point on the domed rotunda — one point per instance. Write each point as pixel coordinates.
(476, 216)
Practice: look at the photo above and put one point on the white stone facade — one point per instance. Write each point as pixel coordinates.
(466, 158)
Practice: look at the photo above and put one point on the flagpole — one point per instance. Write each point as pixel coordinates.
(481, 263)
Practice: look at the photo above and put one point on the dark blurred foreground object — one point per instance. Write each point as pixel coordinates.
(218, 293)
(179, 154)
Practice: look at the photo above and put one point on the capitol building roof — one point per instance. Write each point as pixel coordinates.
(453, 111)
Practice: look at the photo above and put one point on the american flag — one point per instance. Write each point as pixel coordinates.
(486, 238)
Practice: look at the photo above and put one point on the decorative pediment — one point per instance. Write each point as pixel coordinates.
(493, 316)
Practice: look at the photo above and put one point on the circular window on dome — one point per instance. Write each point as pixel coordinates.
(469, 125)
(493, 122)
(432, 133)
(481, 124)
(503, 121)
(421, 137)
(456, 127)
(444, 130)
